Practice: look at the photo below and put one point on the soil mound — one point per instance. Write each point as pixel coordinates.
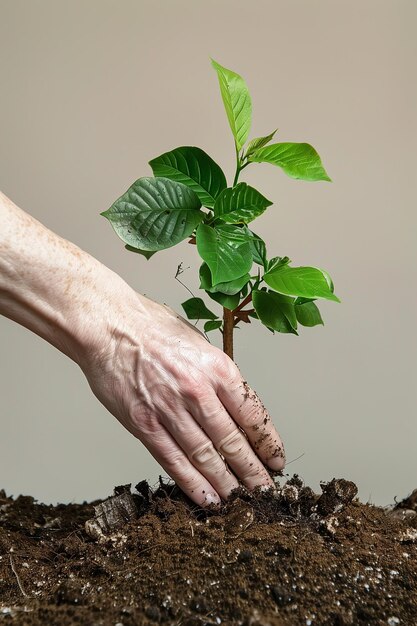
(284, 558)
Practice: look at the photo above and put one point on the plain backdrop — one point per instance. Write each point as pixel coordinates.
(90, 91)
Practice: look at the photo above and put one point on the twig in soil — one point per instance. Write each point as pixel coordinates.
(200, 618)
(17, 577)
(154, 545)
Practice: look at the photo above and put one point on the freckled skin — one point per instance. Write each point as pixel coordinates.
(157, 374)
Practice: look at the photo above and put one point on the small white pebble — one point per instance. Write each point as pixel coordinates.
(25, 564)
(393, 621)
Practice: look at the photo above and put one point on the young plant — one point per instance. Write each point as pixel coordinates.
(188, 198)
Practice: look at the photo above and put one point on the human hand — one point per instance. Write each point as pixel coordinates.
(183, 398)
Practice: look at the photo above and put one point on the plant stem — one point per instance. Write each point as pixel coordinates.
(238, 166)
(228, 316)
(244, 302)
(228, 327)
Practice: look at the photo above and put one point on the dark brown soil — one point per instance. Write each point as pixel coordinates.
(278, 559)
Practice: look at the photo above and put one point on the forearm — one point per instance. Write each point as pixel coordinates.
(50, 285)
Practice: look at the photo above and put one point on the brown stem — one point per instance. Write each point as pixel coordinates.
(228, 327)
(244, 302)
(242, 316)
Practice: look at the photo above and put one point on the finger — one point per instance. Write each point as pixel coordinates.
(201, 452)
(165, 450)
(246, 408)
(231, 442)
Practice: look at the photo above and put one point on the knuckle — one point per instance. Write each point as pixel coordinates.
(174, 463)
(252, 417)
(144, 423)
(233, 444)
(215, 415)
(206, 456)
(226, 369)
(196, 390)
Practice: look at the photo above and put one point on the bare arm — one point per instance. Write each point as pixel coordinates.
(183, 398)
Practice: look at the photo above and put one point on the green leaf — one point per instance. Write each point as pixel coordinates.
(258, 249)
(212, 325)
(259, 142)
(155, 213)
(230, 302)
(308, 314)
(237, 102)
(227, 258)
(286, 304)
(145, 253)
(240, 204)
(205, 277)
(233, 286)
(307, 282)
(245, 290)
(298, 160)
(230, 288)
(195, 169)
(195, 309)
(270, 310)
(277, 261)
(234, 232)
(329, 280)
(304, 300)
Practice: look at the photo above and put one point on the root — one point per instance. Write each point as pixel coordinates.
(17, 577)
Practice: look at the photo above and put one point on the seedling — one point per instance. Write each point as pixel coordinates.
(188, 198)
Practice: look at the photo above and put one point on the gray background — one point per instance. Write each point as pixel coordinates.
(91, 90)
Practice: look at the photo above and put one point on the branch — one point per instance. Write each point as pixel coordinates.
(243, 303)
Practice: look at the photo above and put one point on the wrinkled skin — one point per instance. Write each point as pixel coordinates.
(186, 401)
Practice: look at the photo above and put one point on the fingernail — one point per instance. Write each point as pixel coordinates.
(268, 487)
(276, 462)
(212, 498)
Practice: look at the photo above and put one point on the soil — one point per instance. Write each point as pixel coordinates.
(279, 558)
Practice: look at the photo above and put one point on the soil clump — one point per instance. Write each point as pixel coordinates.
(268, 558)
